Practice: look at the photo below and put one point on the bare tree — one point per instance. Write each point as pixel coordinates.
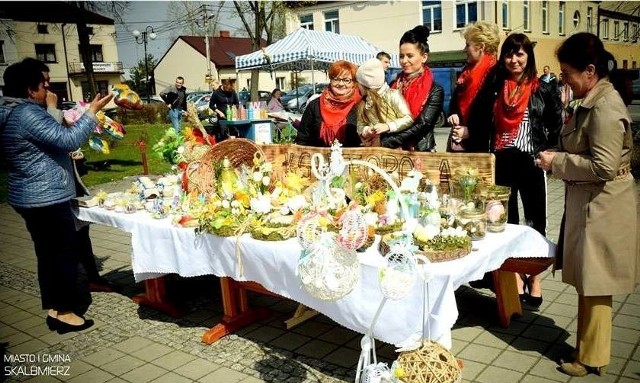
(115, 9)
(261, 18)
(195, 18)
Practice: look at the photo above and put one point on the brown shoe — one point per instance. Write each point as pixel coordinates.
(578, 369)
(102, 286)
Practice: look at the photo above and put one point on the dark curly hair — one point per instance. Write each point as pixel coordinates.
(23, 76)
(419, 36)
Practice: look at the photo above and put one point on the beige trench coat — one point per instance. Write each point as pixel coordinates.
(601, 251)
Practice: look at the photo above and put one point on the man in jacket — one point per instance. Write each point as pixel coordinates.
(175, 96)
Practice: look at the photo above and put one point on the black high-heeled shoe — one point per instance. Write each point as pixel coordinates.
(532, 301)
(64, 328)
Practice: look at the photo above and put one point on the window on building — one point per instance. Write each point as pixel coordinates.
(432, 15)
(331, 22)
(466, 12)
(634, 35)
(604, 29)
(625, 63)
(306, 21)
(616, 30)
(590, 19)
(96, 53)
(505, 14)
(101, 86)
(634, 65)
(526, 17)
(43, 29)
(625, 31)
(576, 19)
(545, 17)
(561, 13)
(46, 53)
(2, 51)
(280, 82)
(90, 31)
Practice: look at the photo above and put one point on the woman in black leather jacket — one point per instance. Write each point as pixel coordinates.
(424, 97)
(519, 116)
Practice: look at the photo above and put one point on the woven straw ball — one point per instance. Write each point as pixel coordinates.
(431, 363)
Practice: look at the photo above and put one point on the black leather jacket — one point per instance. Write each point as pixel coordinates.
(309, 129)
(545, 116)
(419, 136)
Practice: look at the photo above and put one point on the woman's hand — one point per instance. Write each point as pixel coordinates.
(453, 120)
(459, 133)
(367, 132)
(99, 102)
(380, 128)
(51, 100)
(544, 160)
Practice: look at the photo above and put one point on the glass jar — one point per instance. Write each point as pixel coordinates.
(474, 221)
(496, 207)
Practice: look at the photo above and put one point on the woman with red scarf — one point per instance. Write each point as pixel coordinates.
(332, 115)
(482, 40)
(526, 117)
(424, 97)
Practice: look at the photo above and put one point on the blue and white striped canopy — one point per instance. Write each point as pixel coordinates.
(304, 49)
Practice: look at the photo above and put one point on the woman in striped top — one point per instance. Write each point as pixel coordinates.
(527, 117)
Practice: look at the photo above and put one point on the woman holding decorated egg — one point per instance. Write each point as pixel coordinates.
(600, 256)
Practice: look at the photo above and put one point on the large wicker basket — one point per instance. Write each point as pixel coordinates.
(239, 151)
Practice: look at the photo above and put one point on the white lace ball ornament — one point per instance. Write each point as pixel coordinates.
(396, 278)
(327, 270)
(353, 233)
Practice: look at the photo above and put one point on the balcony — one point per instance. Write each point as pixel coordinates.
(76, 67)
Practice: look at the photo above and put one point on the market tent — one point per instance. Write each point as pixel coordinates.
(306, 49)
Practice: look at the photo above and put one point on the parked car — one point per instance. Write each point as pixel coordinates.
(245, 95)
(194, 96)
(296, 99)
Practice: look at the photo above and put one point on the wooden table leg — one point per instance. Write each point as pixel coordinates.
(155, 296)
(237, 313)
(506, 296)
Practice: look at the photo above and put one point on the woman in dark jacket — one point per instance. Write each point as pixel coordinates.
(332, 116)
(424, 97)
(223, 97)
(525, 116)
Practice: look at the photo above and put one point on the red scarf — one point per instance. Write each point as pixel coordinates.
(333, 111)
(469, 83)
(415, 88)
(509, 109)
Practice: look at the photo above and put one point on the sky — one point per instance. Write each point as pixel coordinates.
(142, 14)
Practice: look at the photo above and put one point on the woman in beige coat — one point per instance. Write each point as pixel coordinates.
(600, 232)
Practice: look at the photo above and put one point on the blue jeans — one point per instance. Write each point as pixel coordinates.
(175, 116)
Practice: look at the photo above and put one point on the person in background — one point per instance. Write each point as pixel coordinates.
(175, 96)
(223, 97)
(332, 116)
(42, 194)
(599, 240)
(274, 104)
(481, 46)
(381, 109)
(423, 95)
(526, 116)
(385, 59)
(547, 76)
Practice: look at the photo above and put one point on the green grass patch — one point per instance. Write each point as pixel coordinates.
(124, 159)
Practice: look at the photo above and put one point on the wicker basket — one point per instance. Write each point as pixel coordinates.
(432, 255)
(238, 151)
(431, 363)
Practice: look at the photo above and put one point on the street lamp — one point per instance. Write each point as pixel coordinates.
(142, 38)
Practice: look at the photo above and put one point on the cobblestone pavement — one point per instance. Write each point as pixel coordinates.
(131, 343)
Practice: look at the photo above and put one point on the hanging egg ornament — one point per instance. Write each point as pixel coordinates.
(327, 270)
(354, 231)
(309, 229)
(397, 277)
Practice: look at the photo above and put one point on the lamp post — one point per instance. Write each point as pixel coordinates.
(142, 38)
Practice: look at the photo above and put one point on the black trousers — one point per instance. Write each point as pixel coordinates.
(54, 236)
(517, 170)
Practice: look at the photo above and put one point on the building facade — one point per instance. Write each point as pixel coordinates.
(51, 35)
(548, 23)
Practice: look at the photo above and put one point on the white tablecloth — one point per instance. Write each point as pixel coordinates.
(160, 248)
